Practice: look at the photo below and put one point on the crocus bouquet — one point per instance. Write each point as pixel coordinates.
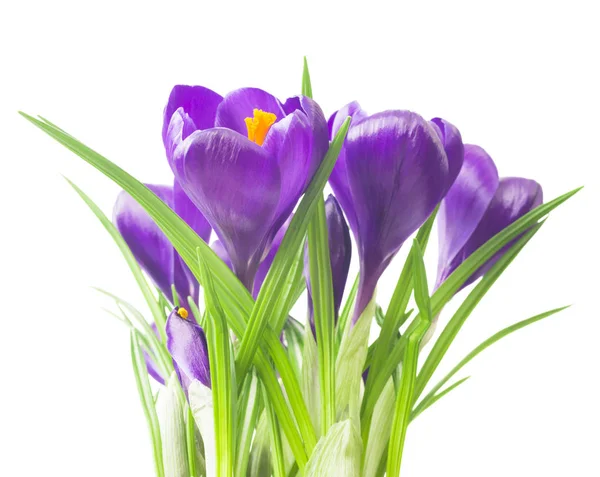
(230, 382)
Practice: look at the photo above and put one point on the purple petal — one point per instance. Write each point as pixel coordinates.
(396, 172)
(265, 265)
(514, 198)
(187, 344)
(147, 242)
(197, 103)
(289, 141)
(336, 120)
(241, 103)
(236, 185)
(453, 145)
(151, 365)
(464, 205)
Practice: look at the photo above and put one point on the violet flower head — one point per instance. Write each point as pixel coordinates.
(150, 246)
(244, 160)
(340, 253)
(391, 173)
(186, 343)
(478, 206)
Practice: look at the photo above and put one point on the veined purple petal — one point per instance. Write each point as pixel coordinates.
(187, 344)
(151, 365)
(394, 173)
(453, 145)
(236, 185)
(198, 103)
(265, 265)
(340, 253)
(318, 127)
(464, 205)
(147, 242)
(336, 120)
(241, 103)
(513, 198)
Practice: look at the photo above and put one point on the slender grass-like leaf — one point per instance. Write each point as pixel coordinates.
(381, 428)
(147, 400)
(306, 83)
(434, 398)
(310, 378)
(190, 439)
(294, 338)
(260, 456)
(404, 399)
(271, 290)
(222, 374)
(323, 307)
(278, 460)
(236, 299)
(486, 344)
(345, 314)
(249, 407)
(292, 288)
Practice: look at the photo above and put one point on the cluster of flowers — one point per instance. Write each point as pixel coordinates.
(242, 162)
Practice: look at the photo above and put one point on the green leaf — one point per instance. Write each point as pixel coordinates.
(404, 399)
(434, 398)
(260, 456)
(278, 460)
(222, 374)
(381, 428)
(173, 430)
(201, 403)
(338, 453)
(349, 365)
(294, 337)
(249, 406)
(271, 290)
(306, 84)
(322, 296)
(147, 400)
(310, 378)
(345, 314)
(486, 344)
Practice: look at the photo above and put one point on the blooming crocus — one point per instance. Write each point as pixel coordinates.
(244, 160)
(392, 172)
(150, 246)
(478, 206)
(186, 342)
(340, 252)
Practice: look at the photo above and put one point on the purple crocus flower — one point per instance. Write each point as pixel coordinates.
(340, 253)
(244, 160)
(478, 206)
(149, 244)
(186, 342)
(392, 172)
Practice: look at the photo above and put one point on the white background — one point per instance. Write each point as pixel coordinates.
(519, 78)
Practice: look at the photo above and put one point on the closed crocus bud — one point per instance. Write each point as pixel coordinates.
(392, 172)
(267, 150)
(478, 206)
(186, 343)
(340, 252)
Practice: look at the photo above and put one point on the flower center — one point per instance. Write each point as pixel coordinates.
(182, 313)
(259, 125)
